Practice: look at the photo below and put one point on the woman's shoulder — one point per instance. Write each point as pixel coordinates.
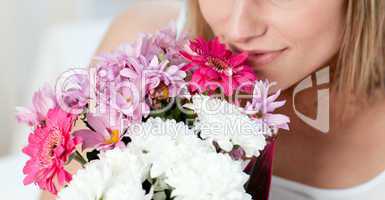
(144, 16)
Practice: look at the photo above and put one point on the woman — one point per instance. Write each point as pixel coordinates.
(290, 41)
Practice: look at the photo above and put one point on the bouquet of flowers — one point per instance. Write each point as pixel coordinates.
(162, 118)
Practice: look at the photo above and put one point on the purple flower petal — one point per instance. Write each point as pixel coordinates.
(276, 119)
(43, 100)
(26, 115)
(128, 73)
(274, 105)
(98, 125)
(89, 139)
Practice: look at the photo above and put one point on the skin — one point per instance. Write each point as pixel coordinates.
(353, 151)
(310, 34)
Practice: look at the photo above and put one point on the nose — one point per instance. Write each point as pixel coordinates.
(245, 22)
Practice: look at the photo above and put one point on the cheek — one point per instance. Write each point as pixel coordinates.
(313, 34)
(316, 27)
(216, 12)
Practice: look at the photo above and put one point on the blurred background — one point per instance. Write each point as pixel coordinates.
(39, 39)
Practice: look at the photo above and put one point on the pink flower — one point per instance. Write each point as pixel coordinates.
(262, 106)
(49, 148)
(43, 100)
(119, 86)
(163, 43)
(151, 79)
(151, 65)
(171, 76)
(107, 131)
(215, 67)
(77, 94)
(132, 91)
(171, 44)
(130, 102)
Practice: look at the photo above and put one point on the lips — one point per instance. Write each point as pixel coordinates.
(261, 58)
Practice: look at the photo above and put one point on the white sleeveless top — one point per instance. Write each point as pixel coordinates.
(282, 189)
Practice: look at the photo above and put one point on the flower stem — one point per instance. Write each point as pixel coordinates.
(78, 157)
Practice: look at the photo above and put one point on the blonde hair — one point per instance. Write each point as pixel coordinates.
(360, 67)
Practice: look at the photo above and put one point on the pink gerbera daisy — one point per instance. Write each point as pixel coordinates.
(49, 149)
(215, 67)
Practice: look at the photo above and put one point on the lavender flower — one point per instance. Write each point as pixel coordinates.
(262, 107)
(43, 100)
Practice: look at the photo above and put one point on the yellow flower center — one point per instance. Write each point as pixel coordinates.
(165, 92)
(115, 137)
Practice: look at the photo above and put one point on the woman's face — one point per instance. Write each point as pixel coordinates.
(286, 39)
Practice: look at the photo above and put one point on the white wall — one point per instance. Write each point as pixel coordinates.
(22, 23)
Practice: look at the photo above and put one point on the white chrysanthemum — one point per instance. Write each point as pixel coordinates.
(118, 175)
(164, 143)
(126, 189)
(208, 176)
(227, 125)
(173, 156)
